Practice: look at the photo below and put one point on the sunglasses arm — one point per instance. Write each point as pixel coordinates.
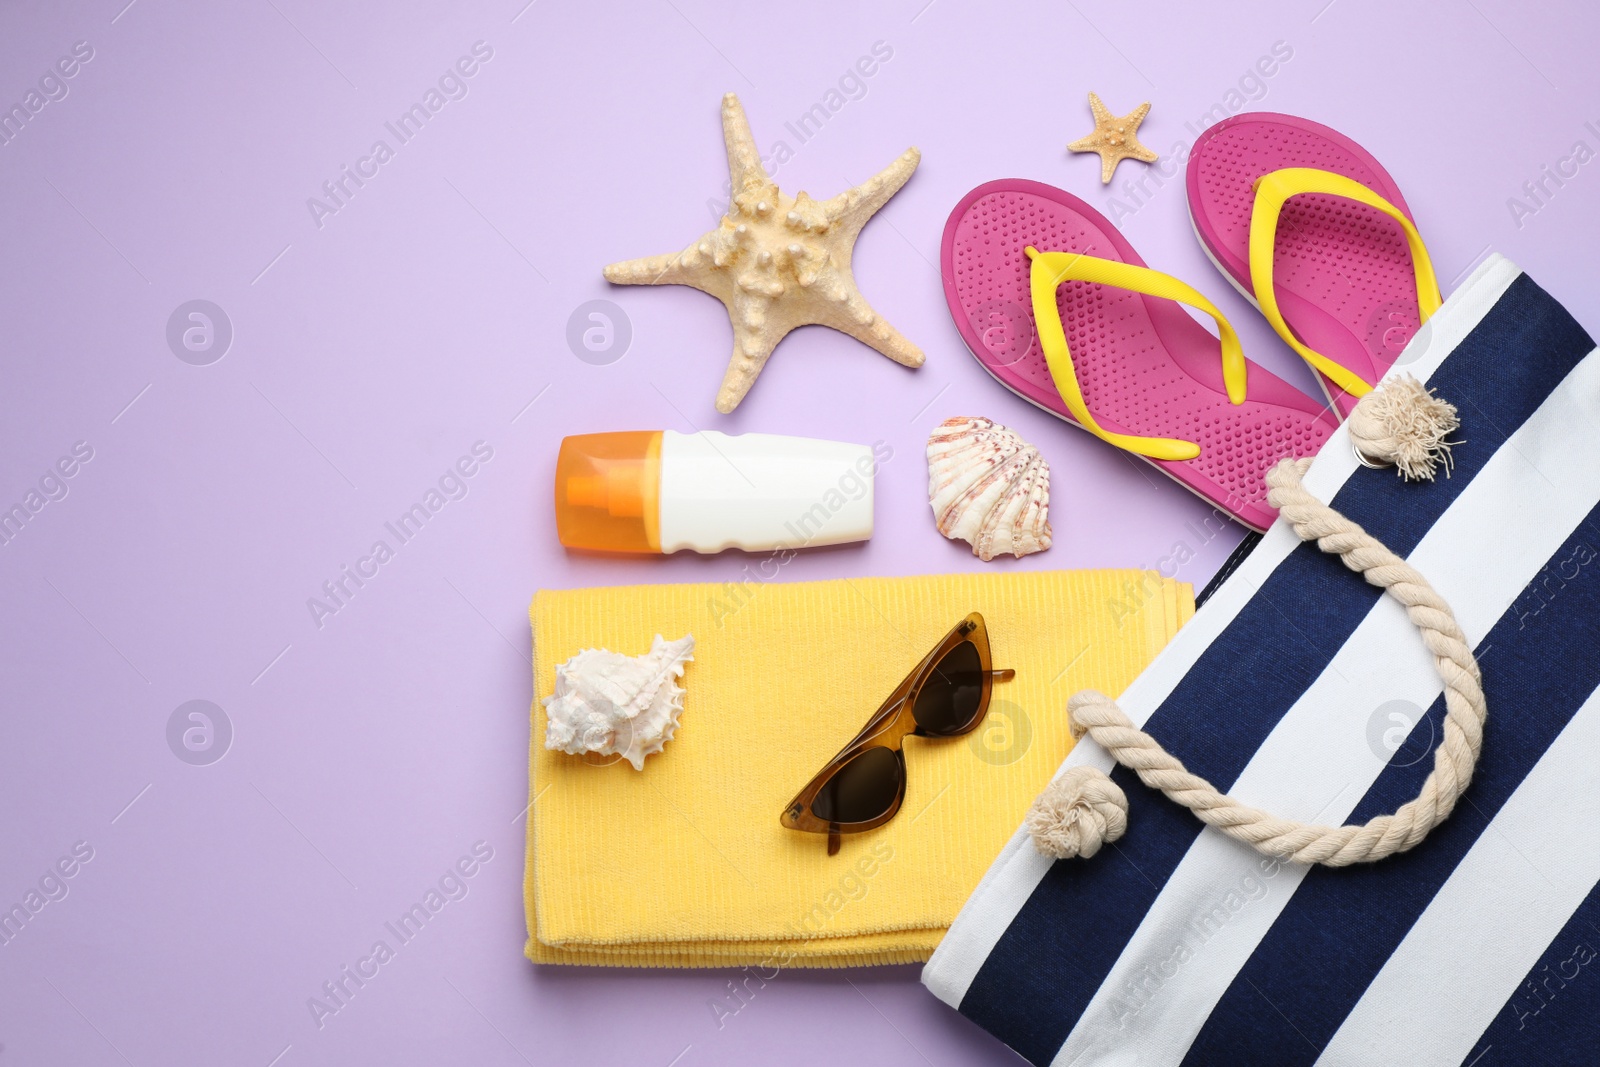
(1004, 675)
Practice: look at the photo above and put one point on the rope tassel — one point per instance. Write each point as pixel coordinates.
(1082, 809)
(1401, 423)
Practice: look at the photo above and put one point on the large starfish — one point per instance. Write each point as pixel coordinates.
(1114, 138)
(778, 263)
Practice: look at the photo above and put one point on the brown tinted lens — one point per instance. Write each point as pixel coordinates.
(948, 700)
(861, 790)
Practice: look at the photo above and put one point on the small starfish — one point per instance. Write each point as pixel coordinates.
(778, 263)
(1114, 138)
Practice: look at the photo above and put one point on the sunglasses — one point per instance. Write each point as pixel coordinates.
(947, 695)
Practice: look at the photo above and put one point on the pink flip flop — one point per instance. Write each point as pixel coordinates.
(1349, 279)
(1113, 352)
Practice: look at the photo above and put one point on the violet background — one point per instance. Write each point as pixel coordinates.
(431, 312)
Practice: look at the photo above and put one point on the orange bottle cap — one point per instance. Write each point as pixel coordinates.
(608, 491)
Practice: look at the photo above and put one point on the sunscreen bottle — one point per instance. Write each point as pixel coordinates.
(663, 491)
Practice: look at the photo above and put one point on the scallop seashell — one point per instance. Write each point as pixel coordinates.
(988, 487)
(616, 705)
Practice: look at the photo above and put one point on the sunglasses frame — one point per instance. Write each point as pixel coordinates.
(889, 727)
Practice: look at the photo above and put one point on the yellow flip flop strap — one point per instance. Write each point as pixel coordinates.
(1050, 269)
(1272, 191)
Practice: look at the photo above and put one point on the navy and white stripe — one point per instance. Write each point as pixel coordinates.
(1177, 945)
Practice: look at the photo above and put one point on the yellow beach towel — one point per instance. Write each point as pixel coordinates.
(684, 864)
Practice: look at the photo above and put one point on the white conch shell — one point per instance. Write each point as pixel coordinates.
(988, 487)
(616, 705)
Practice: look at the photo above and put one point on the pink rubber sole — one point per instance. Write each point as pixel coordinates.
(1144, 365)
(1341, 271)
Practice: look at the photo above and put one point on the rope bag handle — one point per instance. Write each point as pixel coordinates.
(1401, 424)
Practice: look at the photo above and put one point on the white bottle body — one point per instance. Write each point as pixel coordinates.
(762, 491)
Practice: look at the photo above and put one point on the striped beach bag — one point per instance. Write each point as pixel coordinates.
(1301, 690)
